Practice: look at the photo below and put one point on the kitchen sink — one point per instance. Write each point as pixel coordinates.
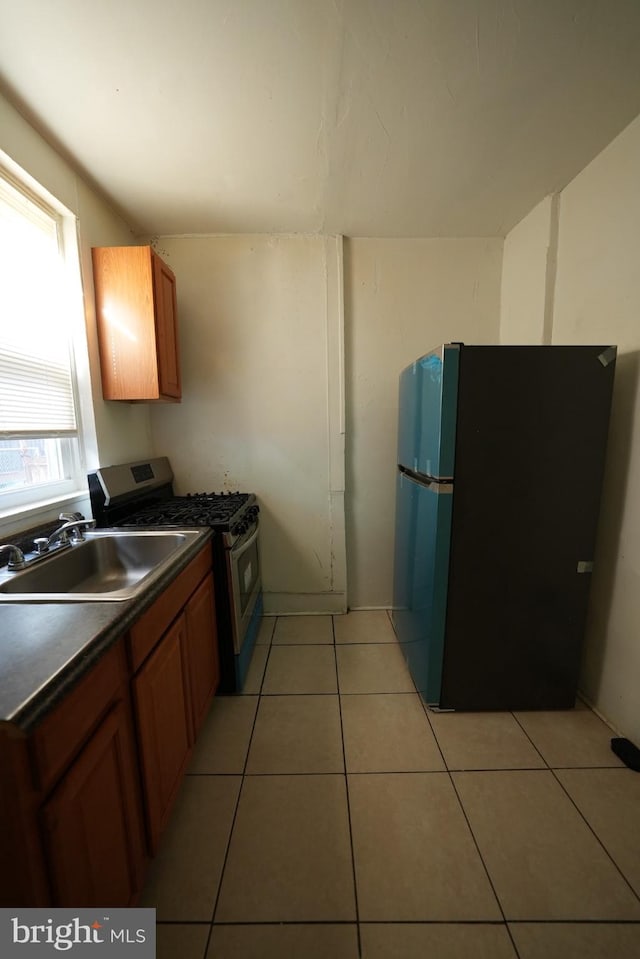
(109, 566)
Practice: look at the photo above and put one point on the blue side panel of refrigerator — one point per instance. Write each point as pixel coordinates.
(426, 445)
(427, 413)
(423, 534)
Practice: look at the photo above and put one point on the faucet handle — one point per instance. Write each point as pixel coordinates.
(77, 529)
(70, 517)
(41, 544)
(16, 556)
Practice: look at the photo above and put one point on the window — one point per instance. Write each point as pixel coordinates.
(39, 428)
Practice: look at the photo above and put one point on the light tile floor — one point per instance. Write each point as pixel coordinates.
(328, 815)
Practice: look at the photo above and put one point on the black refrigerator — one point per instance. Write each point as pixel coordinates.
(501, 455)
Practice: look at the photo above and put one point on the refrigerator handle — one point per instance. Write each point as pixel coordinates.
(440, 485)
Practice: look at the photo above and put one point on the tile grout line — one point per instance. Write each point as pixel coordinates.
(403, 922)
(551, 767)
(246, 775)
(484, 865)
(473, 836)
(542, 757)
(346, 785)
(342, 645)
(546, 768)
(425, 709)
(592, 830)
(574, 922)
(235, 812)
(552, 770)
(411, 772)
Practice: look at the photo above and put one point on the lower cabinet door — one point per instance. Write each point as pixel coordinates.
(164, 728)
(92, 824)
(202, 644)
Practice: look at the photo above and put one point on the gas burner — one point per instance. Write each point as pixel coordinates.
(223, 493)
(145, 518)
(195, 509)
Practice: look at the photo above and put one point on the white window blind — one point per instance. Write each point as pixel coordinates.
(36, 385)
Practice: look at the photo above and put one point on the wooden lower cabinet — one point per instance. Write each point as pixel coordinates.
(164, 730)
(174, 650)
(92, 825)
(70, 799)
(88, 793)
(202, 653)
(24, 879)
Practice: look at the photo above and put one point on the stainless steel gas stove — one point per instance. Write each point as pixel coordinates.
(141, 494)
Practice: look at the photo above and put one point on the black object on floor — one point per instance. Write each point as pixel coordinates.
(627, 752)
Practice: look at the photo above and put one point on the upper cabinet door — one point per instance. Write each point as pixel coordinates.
(137, 325)
(166, 316)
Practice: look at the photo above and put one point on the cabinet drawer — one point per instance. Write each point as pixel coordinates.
(65, 730)
(145, 634)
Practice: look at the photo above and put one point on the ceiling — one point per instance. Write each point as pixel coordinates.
(362, 117)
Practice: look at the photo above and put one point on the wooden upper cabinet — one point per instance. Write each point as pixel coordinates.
(137, 324)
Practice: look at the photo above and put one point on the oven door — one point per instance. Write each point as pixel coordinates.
(245, 583)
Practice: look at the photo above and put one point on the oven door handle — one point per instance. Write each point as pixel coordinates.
(237, 551)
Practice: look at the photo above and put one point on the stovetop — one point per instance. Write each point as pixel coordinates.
(141, 494)
(218, 510)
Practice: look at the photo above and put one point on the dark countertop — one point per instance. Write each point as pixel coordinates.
(46, 648)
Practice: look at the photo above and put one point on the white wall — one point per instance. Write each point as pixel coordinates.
(402, 298)
(528, 265)
(260, 321)
(115, 432)
(260, 335)
(596, 298)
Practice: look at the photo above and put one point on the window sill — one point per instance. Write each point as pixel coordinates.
(23, 517)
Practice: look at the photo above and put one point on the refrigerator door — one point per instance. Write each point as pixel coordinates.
(423, 533)
(427, 413)
(531, 438)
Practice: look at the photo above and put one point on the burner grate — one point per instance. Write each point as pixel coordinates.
(195, 509)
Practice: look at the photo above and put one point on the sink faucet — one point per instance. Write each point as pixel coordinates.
(16, 556)
(75, 526)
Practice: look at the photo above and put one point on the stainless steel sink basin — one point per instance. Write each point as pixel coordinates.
(110, 565)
